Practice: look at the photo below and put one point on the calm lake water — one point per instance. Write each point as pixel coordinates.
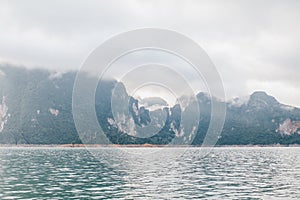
(107, 173)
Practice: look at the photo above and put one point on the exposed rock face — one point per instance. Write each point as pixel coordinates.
(40, 112)
(289, 127)
(3, 114)
(54, 112)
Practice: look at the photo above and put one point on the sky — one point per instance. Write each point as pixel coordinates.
(254, 44)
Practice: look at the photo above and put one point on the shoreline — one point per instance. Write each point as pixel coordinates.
(134, 146)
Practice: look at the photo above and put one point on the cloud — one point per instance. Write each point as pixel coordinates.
(255, 45)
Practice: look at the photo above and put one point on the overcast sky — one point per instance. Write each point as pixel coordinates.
(255, 45)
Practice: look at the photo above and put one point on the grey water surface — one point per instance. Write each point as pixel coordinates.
(109, 173)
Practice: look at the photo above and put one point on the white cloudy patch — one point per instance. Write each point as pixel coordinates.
(154, 107)
(250, 42)
(284, 92)
(239, 101)
(2, 73)
(55, 75)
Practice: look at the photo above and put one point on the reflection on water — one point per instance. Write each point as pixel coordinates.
(228, 173)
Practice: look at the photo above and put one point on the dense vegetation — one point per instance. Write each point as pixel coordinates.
(39, 111)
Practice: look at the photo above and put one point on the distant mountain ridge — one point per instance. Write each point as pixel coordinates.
(36, 108)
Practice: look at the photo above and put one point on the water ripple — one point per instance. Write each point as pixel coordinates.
(227, 173)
